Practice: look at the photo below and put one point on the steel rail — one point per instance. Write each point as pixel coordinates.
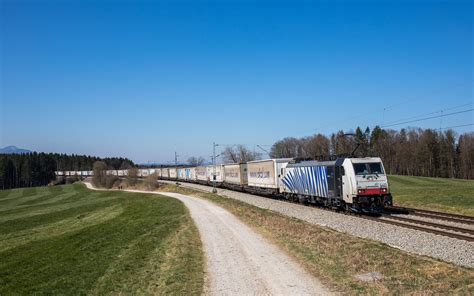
(421, 228)
(437, 215)
(430, 224)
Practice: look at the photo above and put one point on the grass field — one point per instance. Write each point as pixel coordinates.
(336, 257)
(439, 194)
(71, 240)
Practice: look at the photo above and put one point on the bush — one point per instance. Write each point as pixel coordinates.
(100, 174)
(70, 180)
(132, 177)
(110, 181)
(150, 182)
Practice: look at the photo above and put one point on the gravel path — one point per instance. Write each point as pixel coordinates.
(448, 249)
(238, 260)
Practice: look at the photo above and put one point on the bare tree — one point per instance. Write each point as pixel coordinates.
(287, 148)
(196, 161)
(466, 155)
(132, 176)
(239, 154)
(100, 174)
(315, 147)
(150, 182)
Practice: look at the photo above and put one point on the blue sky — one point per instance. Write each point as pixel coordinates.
(146, 79)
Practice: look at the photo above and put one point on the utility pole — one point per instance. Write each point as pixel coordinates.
(176, 166)
(214, 190)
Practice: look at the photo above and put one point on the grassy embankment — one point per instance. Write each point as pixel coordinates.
(336, 257)
(68, 239)
(437, 194)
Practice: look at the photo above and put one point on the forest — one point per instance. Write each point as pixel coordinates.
(413, 152)
(37, 169)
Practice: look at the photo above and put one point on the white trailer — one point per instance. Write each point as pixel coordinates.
(165, 173)
(158, 173)
(180, 173)
(201, 174)
(236, 174)
(190, 174)
(266, 173)
(216, 173)
(173, 174)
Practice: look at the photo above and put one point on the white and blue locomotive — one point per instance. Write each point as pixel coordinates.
(352, 184)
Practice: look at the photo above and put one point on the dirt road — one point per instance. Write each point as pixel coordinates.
(238, 260)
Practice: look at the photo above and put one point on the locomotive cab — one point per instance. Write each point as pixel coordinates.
(365, 184)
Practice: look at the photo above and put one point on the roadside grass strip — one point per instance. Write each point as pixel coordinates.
(102, 242)
(447, 195)
(338, 259)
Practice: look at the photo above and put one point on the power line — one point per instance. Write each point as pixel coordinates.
(425, 114)
(462, 125)
(431, 117)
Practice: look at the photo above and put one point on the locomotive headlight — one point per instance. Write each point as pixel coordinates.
(360, 191)
(384, 190)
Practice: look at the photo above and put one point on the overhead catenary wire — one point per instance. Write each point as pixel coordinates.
(426, 114)
(430, 117)
(456, 126)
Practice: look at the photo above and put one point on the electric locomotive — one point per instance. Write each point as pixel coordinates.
(351, 184)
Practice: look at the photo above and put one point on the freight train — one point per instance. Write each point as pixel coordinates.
(349, 184)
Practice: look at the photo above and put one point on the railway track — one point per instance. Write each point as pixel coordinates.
(435, 215)
(419, 227)
(434, 228)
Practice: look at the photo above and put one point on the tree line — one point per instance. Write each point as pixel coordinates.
(414, 151)
(37, 169)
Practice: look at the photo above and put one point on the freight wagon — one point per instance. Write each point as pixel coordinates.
(173, 174)
(158, 173)
(216, 173)
(201, 175)
(190, 174)
(264, 175)
(235, 175)
(180, 174)
(165, 173)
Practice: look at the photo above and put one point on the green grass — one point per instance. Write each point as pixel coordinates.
(71, 240)
(438, 194)
(335, 257)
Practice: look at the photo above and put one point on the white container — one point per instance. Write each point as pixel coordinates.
(165, 173)
(158, 173)
(143, 173)
(201, 173)
(190, 174)
(216, 172)
(173, 173)
(236, 174)
(180, 174)
(266, 173)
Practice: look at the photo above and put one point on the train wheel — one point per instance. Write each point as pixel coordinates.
(301, 199)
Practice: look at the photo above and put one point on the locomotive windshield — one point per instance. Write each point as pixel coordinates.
(368, 168)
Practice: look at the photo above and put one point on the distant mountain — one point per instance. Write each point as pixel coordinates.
(13, 150)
